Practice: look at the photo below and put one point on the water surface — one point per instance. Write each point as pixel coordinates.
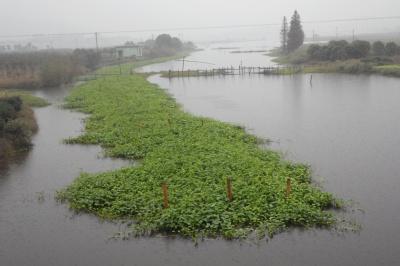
(346, 127)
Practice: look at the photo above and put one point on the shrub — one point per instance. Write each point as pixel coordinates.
(9, 107)
(360, 49)
(391, 49)
(2, 125)
(378, 48)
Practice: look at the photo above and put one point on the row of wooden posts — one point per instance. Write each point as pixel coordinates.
(229, 191)
(241, 70)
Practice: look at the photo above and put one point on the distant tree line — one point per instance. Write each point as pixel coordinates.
(166, 45)
(51, 68)
(292, 37)
(18, 48)
(342, 50)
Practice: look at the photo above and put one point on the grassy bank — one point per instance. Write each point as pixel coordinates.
(17, 122)
(128, 68)
(388, 70)
(194, 156)
(388, 66)
(26, 97)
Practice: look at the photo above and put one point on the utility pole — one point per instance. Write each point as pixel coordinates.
(354, 36)
(183, 63)
(97, 42)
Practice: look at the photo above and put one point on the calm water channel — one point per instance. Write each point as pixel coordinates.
(346, 127)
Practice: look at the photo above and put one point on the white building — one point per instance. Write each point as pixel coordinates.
(128, 51)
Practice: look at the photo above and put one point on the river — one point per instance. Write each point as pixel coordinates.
(345, 126)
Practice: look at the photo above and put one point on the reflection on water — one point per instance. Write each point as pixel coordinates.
(219, 58)
(345, 126)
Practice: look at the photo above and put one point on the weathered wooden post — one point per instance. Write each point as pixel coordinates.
(165, 194)
(229, 188)
(288, 187)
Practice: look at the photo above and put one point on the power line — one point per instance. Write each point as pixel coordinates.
(201, 28)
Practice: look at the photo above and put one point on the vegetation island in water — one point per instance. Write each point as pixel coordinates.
(196, 177)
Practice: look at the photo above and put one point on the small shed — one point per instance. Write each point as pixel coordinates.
(128, 51)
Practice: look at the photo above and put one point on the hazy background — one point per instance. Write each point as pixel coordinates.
(26, 17)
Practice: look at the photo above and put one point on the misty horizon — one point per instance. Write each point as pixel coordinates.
(185, 20)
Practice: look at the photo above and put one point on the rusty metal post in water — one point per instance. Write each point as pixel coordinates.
(288, 187)
(229, 188)
(165, 194)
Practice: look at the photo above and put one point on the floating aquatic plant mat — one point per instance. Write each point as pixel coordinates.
(196, 177)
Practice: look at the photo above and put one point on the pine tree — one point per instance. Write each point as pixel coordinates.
(296, 33)
(284, 35)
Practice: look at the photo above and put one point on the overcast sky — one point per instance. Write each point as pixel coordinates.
(64, 16)
(47, 16)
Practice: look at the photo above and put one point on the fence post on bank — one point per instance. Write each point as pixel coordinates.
(165, 195)
(229, 188)
(288, 187)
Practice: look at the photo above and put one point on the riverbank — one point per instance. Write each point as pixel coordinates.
(299, 58)
(193, 157)
(17, 121)
(129, 67)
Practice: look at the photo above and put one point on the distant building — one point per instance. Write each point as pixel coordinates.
(129, 50)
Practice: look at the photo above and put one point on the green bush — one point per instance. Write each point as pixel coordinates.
(2, 125)
(17, 131)
(9, 107)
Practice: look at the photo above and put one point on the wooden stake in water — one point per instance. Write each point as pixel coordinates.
(165, 194)
(288, 187)
(229, 188)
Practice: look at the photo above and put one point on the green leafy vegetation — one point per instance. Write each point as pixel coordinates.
(17, 122)
(194, 156)
(26, 97)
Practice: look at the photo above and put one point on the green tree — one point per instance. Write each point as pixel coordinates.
(359, 49)
(284, 35)
(166, 45)
(296, 33)
(378, 48)
(391, 48)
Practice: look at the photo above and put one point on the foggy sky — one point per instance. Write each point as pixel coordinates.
(19, 17)
(54, 16)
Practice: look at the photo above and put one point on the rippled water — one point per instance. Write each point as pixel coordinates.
(346, 127)
(220, 55)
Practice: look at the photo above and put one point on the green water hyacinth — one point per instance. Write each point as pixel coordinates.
(133, 119)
